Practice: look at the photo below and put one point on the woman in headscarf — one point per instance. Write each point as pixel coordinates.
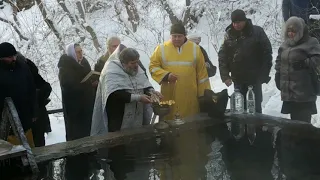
(298, 56)
(121, 95)
(77, 98)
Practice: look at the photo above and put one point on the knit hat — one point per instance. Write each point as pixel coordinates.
(238, 15)
(178, 29)
(7, 50)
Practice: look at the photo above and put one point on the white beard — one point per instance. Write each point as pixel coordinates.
(131, 72)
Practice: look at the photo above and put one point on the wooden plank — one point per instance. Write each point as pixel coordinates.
(19, 132)
(16, 151)
(53, 111)
(93, 143)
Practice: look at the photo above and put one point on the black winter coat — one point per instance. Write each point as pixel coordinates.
(77, 98)
(17, 82)
(247, 55)
(43, 92)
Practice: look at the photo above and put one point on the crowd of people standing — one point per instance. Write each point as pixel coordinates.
(121, 97)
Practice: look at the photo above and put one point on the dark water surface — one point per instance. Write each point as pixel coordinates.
(223, 152)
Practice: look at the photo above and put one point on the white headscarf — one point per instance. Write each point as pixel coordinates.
(70, 50)
(196, 38)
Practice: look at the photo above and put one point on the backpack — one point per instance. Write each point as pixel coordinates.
(214, 104)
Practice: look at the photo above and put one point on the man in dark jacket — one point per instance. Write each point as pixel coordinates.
(16, 81)
(247, 54)
(300, 8)
(42, 125)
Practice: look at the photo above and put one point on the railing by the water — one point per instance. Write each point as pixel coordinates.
(9, 122)
(53, 111)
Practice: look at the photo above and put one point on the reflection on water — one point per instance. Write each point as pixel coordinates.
(291, 153)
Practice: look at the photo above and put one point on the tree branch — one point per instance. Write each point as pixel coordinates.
(88, 28)
(118, 13)
(172, 16)
(49, 23)
(15, 11)
(194, 18)
(15, 28)
(132, 13)
(186, 16)
(72, 19)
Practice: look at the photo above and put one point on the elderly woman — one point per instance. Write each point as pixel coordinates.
(121, 97)
(298, 55)
(210, 67)
(77, 98)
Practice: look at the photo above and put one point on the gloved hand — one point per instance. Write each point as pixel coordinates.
(277, 80)
(299, 65)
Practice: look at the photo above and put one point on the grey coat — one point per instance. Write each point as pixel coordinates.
(296, 84)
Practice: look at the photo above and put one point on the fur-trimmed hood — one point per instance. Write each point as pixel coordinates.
(300, 27)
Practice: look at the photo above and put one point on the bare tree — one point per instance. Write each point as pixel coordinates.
(118, 15)
(191, 16)
(168, 9)
(93, 5)
(15, 10)
(72, 19)
(50, 23)
(133, 14)
(15, 28)
(23, 4)
(87, 27)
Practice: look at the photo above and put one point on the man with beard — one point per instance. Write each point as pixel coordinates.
(123, 94)
(16, 81)
(122, 102)
(247, 54)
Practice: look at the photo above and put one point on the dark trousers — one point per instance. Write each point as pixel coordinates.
(38, 136)
(301, 111)
(301, 115)
(257, 89)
